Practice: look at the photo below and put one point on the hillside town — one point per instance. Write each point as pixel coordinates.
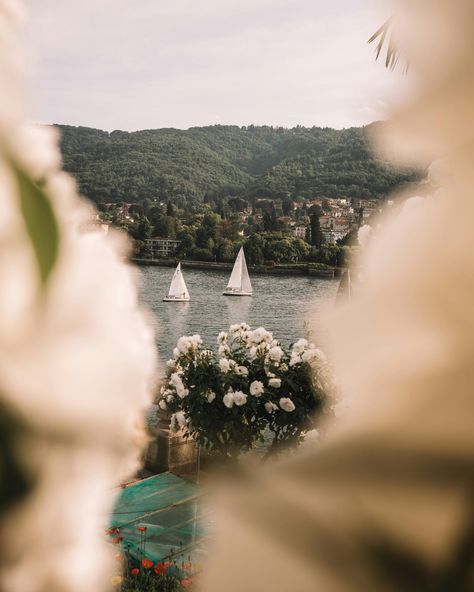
(163, 231)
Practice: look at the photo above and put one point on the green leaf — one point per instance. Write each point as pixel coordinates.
(40, 223)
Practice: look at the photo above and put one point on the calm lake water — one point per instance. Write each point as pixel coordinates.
(285, 305)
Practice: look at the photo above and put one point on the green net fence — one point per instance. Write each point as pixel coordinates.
(163, 518)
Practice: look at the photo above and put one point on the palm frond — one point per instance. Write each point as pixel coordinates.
(384, 38)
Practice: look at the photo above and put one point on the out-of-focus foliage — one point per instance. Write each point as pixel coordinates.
(218, 161)
(15, 481)
(40, 222)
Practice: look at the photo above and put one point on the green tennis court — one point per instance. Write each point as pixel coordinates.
(162, 518)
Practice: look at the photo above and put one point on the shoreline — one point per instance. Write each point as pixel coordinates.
(303, 269)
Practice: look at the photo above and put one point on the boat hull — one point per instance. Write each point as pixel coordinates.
(171, 299)
(231, 293)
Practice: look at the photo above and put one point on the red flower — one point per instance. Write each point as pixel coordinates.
(112, 531)
(186, 583)
(147, 563)
(117, 540)
(135, 571)
(161, 568)
(142, 528)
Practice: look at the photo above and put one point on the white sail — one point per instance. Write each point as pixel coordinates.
(178, 289)
(239, 282)
(246, 285)
(235, 281)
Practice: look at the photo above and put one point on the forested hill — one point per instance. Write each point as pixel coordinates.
(201, 163)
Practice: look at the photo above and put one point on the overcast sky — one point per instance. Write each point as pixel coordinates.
(135, 64)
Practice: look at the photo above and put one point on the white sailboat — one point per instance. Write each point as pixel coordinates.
(178, 291)
(239, 282)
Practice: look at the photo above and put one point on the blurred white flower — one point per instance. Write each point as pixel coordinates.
(242, 371)
(176, 352)
(256, 388)
(77, 357)
(274, 383)
(162, 405)
(240, 398)
(184, 345)
(287, 404)
(210, 396)
(36, 148)
(363, 235)
(313, 354)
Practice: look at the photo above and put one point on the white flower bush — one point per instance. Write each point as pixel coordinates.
(253, 390)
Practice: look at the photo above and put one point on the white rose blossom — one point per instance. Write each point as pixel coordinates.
(224, 365)
(210, 396)
(287, 404)
(300, 346)
(184, 345)
(259, 335)
(295, 359)
(222, 338)
(257, 388)
(162, 405)
(253, 352)
(275, 354)
(270, 407)
(223, 350)
(274, 383)
(228, 399)
(313, 354)
(242, 371)
(240, 398)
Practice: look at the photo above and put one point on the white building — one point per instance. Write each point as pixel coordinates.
(300, 231)
(161, 248)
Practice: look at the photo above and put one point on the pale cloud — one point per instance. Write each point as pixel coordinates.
(118, 64)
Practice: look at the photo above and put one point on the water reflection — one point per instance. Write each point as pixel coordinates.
(283, 305)
(238, 308)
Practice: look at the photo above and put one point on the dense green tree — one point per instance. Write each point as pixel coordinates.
(224, 251)
(141, 229)
(169, 209)
(165, 227)
(317, 237)
(187, 242)
(254, 249)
